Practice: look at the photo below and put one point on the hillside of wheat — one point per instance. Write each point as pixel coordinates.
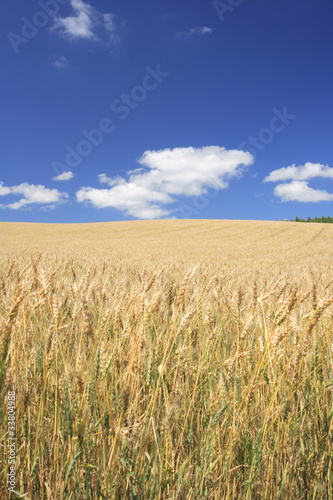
(167, 359)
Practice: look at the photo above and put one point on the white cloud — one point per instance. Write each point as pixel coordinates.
(300, 191)
(62, 62)
(65, 176)
(80, 24)
(110, 24)
(199, 30)
(188, 171)
(4, 189)
(83, 22)
(104, 179)
(134, 200)
(109, 21)
(32, 194)
(301, 173)
(164, 174)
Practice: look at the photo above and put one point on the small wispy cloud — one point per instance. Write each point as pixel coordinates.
(65, 176)
(62, 62)
(197, 31)
(32, 194)
(111, 26)
(164, 175)
(298, 189)
(104, 179)
(80, 24)
(86, 22)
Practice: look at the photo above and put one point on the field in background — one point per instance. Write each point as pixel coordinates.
(173, 241)
(168, 359)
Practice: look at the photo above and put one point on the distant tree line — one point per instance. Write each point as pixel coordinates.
(325, 220)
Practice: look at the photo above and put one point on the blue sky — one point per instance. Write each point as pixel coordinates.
(128, 110)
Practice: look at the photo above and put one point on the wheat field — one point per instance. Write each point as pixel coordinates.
(167, 360)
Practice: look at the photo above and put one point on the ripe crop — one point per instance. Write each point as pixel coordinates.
(187, 373)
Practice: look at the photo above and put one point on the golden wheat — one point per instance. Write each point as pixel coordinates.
(194, 373)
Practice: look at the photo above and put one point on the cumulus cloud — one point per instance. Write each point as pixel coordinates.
(62, 62)
(199, 30)
(300, 191)
(65, 176)
(164, 175)
(32, 194)
(133, 199)
(301, 173)
(84, 20)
